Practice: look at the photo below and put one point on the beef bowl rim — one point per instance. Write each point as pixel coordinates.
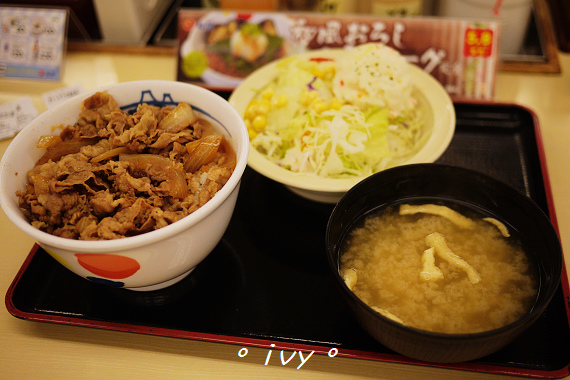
(13, 175)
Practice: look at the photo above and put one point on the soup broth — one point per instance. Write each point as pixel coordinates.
(484, 281)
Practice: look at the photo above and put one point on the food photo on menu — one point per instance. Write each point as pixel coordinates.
(223, 49)
(336, 176)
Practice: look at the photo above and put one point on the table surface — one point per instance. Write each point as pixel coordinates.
(32, 350)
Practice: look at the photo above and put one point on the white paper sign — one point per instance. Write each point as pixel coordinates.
(53, 98)
(16, 115)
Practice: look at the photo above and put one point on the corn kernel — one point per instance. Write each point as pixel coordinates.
(307, 97)
(318, 73)
(250, 112)
(263, 107)
(251, 109)
(319, 106)
(268, 93)
(330, 71)
(335, 104)
(259, 122)
(252, 133)
(280, 101)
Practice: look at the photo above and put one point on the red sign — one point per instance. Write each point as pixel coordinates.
(461, 54)
(478, 43)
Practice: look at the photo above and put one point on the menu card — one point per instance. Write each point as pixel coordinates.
(16, 115)
(32, 42)
(461, 54)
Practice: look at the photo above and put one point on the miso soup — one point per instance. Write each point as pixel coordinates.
(455, 271)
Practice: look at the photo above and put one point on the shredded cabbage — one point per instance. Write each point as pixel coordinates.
(317, 133)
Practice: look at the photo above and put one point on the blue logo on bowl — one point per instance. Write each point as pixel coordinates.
(149, 98)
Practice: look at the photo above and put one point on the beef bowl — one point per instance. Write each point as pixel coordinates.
(136, 191)
(442, 264)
